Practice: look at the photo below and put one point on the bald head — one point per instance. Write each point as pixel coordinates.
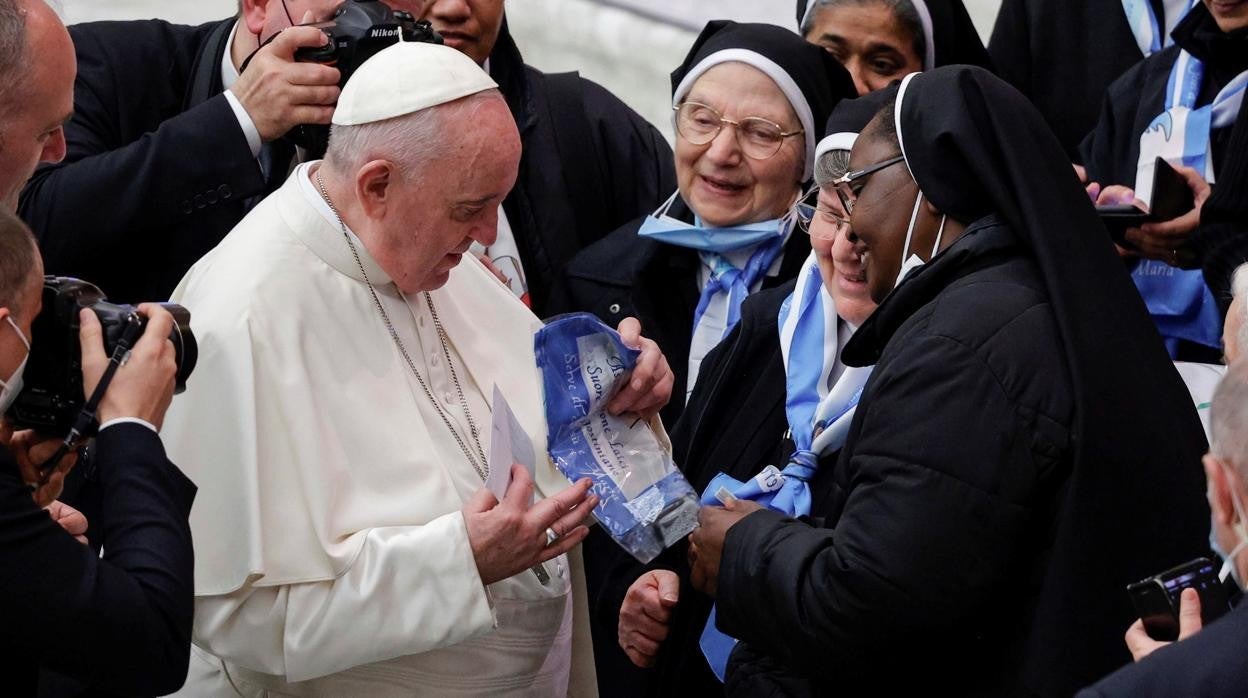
(37, 93)
(1235, 331)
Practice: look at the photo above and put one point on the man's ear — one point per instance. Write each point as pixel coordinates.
(372, 188)
(1219, 490)
(253, 13)
(931, 207)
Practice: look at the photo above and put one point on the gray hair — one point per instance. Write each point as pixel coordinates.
(12, 51)
(18, 254)
(903, 10)
(1228, 417)
(1239, 291)
(831, 166)
(410, 141)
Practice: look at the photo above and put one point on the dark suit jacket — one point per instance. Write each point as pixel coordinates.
(120, 624)
(157, 169)
(1210, 664)
(580, 177)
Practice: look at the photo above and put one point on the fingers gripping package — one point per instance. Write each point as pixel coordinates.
(646, 505)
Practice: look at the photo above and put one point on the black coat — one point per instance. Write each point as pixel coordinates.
(735, 422)
(157, 168)
(1063, 54)
(1210, 664)
(121, 624)
(932, 534)
(589, 165)
(1222, 238)
(627, 275)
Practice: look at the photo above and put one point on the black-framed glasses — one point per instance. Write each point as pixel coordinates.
(848, 185)
(807, 209)
(759, 138)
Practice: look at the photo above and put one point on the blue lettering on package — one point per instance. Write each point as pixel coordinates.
(645, 503)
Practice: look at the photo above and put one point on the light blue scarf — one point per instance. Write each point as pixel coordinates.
(819, 419)
(711, 243)
(1178, 300)
(1149, 31)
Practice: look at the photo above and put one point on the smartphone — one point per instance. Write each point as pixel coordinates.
(1171, 199)
(1156, 599)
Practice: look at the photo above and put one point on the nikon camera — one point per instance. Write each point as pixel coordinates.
(358, 30)
(53, 393)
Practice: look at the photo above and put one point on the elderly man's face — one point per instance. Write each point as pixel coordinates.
(469, 26)
(438, 212)
(31, 125)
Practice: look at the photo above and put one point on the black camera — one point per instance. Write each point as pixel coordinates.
(53, 392)
(358, 30)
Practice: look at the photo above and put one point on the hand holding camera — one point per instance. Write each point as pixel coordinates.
(279, 92)
(143, 386)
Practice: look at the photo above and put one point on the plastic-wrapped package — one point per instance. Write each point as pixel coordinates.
(645, 504)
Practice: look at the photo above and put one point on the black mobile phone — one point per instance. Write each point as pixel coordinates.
(1171, 199)
(1156, 599)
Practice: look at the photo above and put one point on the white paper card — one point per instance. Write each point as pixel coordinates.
(508, 444)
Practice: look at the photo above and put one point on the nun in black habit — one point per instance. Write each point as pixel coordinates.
(907, 36)
(726, 231)
(1063, 54)
(1022, 451)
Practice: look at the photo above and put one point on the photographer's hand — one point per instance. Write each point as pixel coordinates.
(280, 93)
(143, 386)
(31, 450)
(70, 519)
(1141, 644)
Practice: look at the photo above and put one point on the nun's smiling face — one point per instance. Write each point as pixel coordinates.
(718, 180)
(869, 39)
(842, 269)
(880, 215)
(1229, 14)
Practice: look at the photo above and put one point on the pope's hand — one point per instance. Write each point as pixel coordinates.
(650, 386)
(509, 537)
(645, 614)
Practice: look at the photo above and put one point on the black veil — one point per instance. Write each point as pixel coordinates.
(1134, 503)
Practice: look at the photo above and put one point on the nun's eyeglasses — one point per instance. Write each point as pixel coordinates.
(848, 186)
(759, 138)
(807, 208)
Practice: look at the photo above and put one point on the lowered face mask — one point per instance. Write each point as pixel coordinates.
(914, 261)
(13, 386)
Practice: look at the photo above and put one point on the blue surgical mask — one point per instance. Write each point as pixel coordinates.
(13, 386)
(698, 236)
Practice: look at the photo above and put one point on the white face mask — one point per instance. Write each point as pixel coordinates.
(914, 261)
(1241, 532)
(13, 386)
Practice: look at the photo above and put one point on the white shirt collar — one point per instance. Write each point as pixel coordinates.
(229, 73)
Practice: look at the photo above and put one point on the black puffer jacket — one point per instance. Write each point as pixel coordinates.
(934, 530)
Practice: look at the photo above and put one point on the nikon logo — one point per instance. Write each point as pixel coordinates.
(382, 32)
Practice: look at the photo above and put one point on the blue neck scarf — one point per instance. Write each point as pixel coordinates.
(819, 419)
(1178, 300)
(767, 237)
(697, 236)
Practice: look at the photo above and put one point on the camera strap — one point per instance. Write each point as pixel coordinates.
(86, 423)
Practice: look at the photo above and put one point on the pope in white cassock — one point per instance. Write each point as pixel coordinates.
(344, 543)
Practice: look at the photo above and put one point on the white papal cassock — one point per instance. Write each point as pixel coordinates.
(331, 555)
